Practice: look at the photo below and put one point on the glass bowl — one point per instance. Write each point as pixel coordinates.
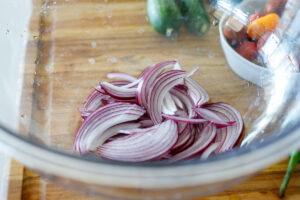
(55, 52)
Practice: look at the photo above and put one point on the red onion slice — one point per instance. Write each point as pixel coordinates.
(146, 123)
(140, 147)
(133, 84)
(185, 139)
(177, 102)
(209, 150)
(102, 119)
(148, 78)
(121, 76)
(212, 117)
(142, 74)
(110, 132)
(206, 136)
(93, 101)
(115, 83)
(220, 138)
(159, 90)
(182, 96)
(197, 94)
(184, 119)
(169, 106)
(191, 73)
(233, 132)
(112, 100)
(118, 92)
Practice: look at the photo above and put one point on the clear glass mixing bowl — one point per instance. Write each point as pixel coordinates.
(54, 52)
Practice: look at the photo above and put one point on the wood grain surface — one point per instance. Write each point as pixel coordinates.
(74, 43)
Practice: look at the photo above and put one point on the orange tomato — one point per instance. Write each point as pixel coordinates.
(262, 25)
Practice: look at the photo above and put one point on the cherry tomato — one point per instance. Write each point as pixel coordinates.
(248, 50)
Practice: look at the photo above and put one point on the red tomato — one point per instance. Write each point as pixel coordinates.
(247, 50)
(231, 35)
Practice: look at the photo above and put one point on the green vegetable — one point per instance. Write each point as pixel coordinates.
(294, 160)
(195, 16)
(164, 16)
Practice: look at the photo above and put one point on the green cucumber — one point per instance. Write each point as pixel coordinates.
(164, 16)
(195, 16)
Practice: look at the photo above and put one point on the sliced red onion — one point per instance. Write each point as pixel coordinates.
(197, 94)
(121, 76)
(169, 106)
(209, 150)
(185, 139)
(146, 123)
(148, 78)
(162, 85)
(181, 127)
(110, 132)
(133, 84)
(184, 119)
(191, 73)
(102, 119)
(93, 101)
(112, 100)
(177, 66)
(182, 96)
(138, 130)
(233, 132)
(115, 83)
(206, 136)
(177, 102)
(100, 90)
(140, 147)
(118, 92)
(85, 114)
(212, 117)
(179, 124)
(220, 138)
(142, 74)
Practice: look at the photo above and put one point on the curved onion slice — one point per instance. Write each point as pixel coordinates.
(143, 146)
(146, 123)
(184, 119)
(110, 132)
(169, 106)
(121, 76)
(102, 119)
(209, 150)
(191, 73)
(205, 137)
(118, 92)
(185, 139)
(182, 96)
(159, 90)
(197, 94)
(149, 77)
(212, 117)
(233, 132)
(112, 100)
(93, 101)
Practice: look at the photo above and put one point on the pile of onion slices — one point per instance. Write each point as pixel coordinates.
(162, 114)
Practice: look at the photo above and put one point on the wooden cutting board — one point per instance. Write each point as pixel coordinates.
(74, 43)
